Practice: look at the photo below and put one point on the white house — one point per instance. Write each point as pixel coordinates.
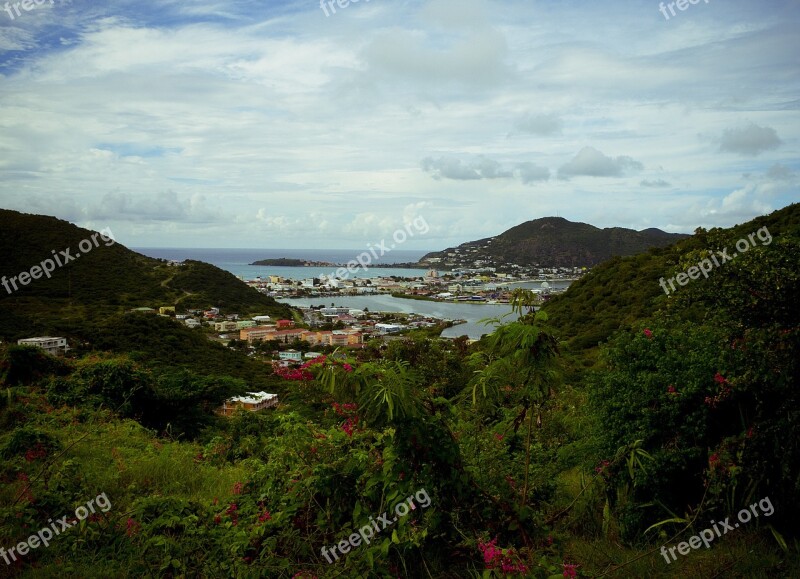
(54, 346)
(388, 328)
(253, 401)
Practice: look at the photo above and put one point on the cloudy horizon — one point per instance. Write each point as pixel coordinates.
(249, 124)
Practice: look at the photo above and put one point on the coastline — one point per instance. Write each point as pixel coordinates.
(445, 301)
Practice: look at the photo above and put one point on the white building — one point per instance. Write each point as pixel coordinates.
(389, 328)
(253, 402)
(53, 346)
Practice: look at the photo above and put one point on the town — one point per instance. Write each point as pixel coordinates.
(479, 284)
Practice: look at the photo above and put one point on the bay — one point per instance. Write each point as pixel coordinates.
(237, 261)
(472, 313)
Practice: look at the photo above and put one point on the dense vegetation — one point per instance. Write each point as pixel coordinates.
(572, 442)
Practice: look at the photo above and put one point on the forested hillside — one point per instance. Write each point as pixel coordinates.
(109, 279)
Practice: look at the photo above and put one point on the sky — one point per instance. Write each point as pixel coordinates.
(243, 123)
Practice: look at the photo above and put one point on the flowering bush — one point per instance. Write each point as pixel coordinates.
(505, 560)
(306, 371)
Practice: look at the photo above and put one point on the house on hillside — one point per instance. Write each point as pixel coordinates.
(291, 355)
(389, 328)
(252, 402)
(53, 346)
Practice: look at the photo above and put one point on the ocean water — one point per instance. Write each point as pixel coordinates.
(237, 261)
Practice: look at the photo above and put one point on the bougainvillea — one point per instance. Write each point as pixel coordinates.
(505, 560)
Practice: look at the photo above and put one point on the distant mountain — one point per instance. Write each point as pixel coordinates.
(107, 279)
(554, 242)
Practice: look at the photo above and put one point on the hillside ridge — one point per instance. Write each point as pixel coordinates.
(552, 242)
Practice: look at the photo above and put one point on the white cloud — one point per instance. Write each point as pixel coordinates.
(531, 173)
(590, 162)
(245, 123)
(749, 140)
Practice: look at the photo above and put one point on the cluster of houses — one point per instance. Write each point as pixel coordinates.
(354, 327)
(472, 284)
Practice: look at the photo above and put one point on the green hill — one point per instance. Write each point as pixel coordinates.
(88, 300)
(622, 290)
(556, 242)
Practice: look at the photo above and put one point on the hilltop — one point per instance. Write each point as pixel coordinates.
(552, 242)
(91, 295)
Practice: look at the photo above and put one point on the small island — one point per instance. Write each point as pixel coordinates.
(289, 262)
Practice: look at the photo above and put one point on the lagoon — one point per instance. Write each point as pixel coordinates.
(444, 310)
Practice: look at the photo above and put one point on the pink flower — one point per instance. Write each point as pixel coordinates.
(603, 466)
(494, 558)
(719, 378)
(490, 551)
(570, 570)
(648, 333)
(498, 436)
(671, 390)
